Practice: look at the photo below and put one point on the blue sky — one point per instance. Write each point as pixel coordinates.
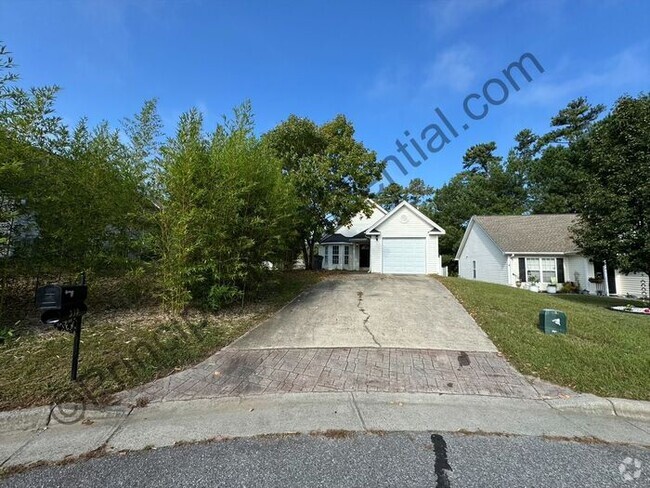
(385, 65)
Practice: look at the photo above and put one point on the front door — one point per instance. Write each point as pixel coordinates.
(364, 256)
(611, 276)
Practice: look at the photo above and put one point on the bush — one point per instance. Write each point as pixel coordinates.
(222, 295)
(569, 287)
(6, 334)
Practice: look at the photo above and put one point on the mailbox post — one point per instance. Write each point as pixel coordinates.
(63, 307)
(75, 349)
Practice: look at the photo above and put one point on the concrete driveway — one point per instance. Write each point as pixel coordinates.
(365, 310)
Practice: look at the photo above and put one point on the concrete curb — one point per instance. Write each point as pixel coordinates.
(595, 405)
(66, 413)
(70, 413)
(25, 419)
(583, 403)
(119, 429)
(634, 409)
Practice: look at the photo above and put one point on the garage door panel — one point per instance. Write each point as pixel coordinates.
(404, 256)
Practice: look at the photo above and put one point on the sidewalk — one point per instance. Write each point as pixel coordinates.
(39, 435)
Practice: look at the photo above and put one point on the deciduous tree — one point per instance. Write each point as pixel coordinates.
(330, 171)
(614, 205)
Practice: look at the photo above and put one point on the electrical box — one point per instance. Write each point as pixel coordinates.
(552, 321)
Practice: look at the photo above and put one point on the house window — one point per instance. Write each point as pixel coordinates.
(474, 269)
(533, 272)
(549, 270)
(325, 255)
(544, 270)
(346, 255)
(335, 254)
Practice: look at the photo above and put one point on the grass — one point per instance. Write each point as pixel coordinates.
(125, 348)
(600, 301)
(604, 352)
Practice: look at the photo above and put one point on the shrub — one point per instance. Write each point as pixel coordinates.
(222, 295)
(569, 287)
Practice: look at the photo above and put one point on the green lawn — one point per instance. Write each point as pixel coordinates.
(605, 352)
(122, 349)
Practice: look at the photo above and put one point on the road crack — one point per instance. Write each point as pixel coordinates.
(365, 320)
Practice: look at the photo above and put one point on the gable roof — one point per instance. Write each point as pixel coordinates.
(335, 239)
(341, 239)
(527, 233)
(436, 228)
(343, 233)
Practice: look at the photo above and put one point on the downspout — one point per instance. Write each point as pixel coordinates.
(605, 277)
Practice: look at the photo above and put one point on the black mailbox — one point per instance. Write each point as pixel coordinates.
(63, 306)
(61, 303)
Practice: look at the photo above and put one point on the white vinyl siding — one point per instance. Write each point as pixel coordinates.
(576, 271)
(375, 254)
(491, 263)
(433, 257)
(361, 223)
(404, 255)
(405, 223)
(630, 284)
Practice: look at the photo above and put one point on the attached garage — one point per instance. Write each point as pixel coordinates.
(404, 255)
(405, 241)
(402, 241)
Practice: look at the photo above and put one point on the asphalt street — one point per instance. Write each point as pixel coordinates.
(340, 459)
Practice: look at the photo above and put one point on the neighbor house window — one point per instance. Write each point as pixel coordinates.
(474, 269)
(533, 271)
(335, 254)
(325, 255)
(549, 270)
(544, 270)
(346, 255)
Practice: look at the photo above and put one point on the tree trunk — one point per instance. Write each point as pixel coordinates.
(305, 255)
(311, 244)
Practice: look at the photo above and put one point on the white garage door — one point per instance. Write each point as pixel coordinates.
(405, 256)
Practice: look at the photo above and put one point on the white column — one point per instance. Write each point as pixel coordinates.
(606, 278)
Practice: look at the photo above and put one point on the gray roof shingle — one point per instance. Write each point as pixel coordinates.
(530, 233)
(342, 238)
(335, 238)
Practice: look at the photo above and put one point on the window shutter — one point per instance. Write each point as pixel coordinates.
(522, 270)
(560, 270)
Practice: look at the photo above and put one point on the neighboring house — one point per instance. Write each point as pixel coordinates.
(402, 241)
(506, 249)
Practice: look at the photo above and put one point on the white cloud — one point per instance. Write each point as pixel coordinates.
(454, 68)
(450, 14)
(628, 69)
(390, 82)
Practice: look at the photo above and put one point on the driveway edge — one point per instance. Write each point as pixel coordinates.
(170, 423)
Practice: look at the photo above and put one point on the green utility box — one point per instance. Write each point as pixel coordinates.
(552, 321)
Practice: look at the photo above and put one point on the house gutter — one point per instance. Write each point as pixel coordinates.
(527, 253)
